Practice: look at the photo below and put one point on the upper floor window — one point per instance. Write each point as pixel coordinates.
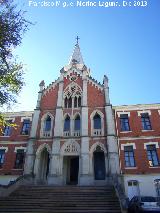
(146, 124)
(47, 126)
(77, 102)
(152, 155)
(25, 127)
(129, 156)
(19, 161)
(2, 155)
(77, 123)
(7, 129)
(97, 121)
(67, 123)
(124, 122)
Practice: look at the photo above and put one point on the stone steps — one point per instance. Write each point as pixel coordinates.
(69, 199)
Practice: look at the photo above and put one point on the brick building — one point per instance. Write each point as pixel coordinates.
(75, 136)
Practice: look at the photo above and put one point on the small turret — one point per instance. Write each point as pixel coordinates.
(105, 81)
(42, 85)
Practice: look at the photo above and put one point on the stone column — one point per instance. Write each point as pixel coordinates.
(85, 178)
(30, 153)
(111, 133)
(56, 161)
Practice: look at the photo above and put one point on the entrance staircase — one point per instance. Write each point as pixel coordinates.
(68, 199)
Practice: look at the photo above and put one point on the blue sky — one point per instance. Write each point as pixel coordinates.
(120, 42)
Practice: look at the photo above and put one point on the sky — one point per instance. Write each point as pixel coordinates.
(122, 42)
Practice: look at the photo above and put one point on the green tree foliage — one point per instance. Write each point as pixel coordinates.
(13, 25)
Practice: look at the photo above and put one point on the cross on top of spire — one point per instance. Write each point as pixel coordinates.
(77, 38)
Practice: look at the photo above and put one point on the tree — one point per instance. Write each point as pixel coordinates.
(13, 25)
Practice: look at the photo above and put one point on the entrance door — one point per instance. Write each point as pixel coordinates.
(71, 169)
(133, 189)
(99, 165)
(74, 168)
(44, 165)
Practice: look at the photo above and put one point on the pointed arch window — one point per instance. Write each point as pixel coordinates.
(79, 101)
(47, 126)
(67, 124)
(97, 121)
(77, 123)
(75, 102)
(66, 102)
(70, 102)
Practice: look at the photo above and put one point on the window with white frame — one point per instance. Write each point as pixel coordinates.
(145, 120)
(97, 123)
(124, 122)
(46, 125)
(77, 125)
(66, 128)
(25, 127)
(152, 155)
(7, 128)
(19, 161)
(129, 156)
(2, 157)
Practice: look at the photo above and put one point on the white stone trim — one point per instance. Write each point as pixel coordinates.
(159, 112)
(137, 107)
(102, 122)
(42, 125)
(26, 118)
(50, 87)
(133, 167)
(94, 146)
(128, 144)
(9, 119)
(13, 142)
(151, 143)
(70, 148)
(138, 138)
(18, 114)
(42, 147)
(123, 113)
(95, 83)
(4, 148)
(144, 111)
(20, 147)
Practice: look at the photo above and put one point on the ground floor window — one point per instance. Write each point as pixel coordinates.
(157, 186)
(2, 155)
(19, 162)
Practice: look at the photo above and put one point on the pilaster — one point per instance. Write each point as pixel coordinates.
(30, 155)
(56, 161)
(85, 178)
(111, 133)
(58, 129)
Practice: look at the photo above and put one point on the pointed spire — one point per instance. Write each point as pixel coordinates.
(76, 57)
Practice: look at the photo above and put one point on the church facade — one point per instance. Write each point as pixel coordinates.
(75, 137)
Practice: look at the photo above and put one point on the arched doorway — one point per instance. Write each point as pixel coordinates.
(70, 154)
(44, 165)
(99, 164)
